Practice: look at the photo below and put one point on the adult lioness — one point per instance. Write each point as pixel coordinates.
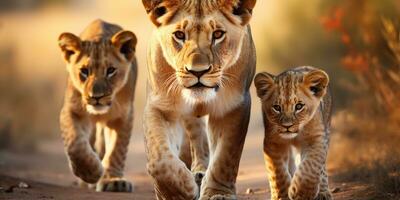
(201, 63)
(99, 103)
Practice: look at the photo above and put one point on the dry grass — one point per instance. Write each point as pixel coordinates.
(368, 131)
(365, 149)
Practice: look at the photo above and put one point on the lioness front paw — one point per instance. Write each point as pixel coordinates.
(114, 185)
(324, 196)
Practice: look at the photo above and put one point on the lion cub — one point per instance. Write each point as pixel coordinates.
(97, 116)
(296, 110)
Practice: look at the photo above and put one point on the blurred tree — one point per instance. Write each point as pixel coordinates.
(372, 46)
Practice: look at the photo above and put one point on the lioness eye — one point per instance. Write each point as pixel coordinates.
(299, 106)
(218, 34)
(84, 73)
(179, 35)
(111, 71)
(277, 108)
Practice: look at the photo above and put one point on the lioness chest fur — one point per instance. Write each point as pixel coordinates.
(97, 115)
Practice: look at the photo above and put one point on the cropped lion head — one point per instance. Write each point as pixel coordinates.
(291, 99)
(98, 69)
(200, 40)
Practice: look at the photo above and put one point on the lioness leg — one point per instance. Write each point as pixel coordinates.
(227, 136)
(184, 152)
(84, 162)
(163, 136)
(195, 129)
(117, 135)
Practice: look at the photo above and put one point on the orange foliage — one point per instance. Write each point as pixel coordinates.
(333, 22)
(355, 62)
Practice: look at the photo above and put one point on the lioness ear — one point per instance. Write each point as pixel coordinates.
(317, 82)
(264, 83)
(125, 43)
(69, 44)
(161, 8)
(241, 8)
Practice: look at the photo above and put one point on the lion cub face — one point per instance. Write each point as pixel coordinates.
(290, 100)
(200, 40)
(98, 69)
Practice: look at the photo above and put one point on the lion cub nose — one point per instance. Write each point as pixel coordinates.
(97, 92)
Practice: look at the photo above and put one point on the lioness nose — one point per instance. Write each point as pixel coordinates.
(198, 74)
(287, 126)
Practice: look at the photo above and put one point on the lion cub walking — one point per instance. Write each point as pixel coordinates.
(97, 116)
(296, 111)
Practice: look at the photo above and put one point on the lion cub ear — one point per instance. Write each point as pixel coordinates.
(317, 82)
(69, 44)
(161, 8)
(264, 83)
(125, 43)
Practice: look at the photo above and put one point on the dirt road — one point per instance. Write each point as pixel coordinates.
(47, 174)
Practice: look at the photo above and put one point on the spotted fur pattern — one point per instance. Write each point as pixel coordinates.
(97, 115)
(296, 109)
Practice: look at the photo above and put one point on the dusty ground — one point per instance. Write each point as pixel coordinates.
(47, 174)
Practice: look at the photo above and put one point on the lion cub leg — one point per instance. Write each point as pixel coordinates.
(278, 158)
(305, 184)
(117, 135)
(163, 137)
(324, 192)
(196, 131)
(83, 161)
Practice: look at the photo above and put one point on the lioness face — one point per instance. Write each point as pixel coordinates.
(200, 50)
(290, 100)
(98, 70)
(200, 40)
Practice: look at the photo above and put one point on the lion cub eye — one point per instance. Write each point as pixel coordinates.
(299, 106)
(84, 73)
(218, 34)
(277, 108)
(111, 71)
(179, 35)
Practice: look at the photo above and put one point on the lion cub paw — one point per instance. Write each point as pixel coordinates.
(89, 174)
(222, 197)
(114, 185)
(302, 194)
(324, 196)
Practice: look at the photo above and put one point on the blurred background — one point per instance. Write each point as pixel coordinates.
(356, 41)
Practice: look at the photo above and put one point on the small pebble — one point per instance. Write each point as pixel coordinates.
(249, 191)
(23, 185)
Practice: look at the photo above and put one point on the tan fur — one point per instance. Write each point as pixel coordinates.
(176, 113)
(97, 116)
(305, 129)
